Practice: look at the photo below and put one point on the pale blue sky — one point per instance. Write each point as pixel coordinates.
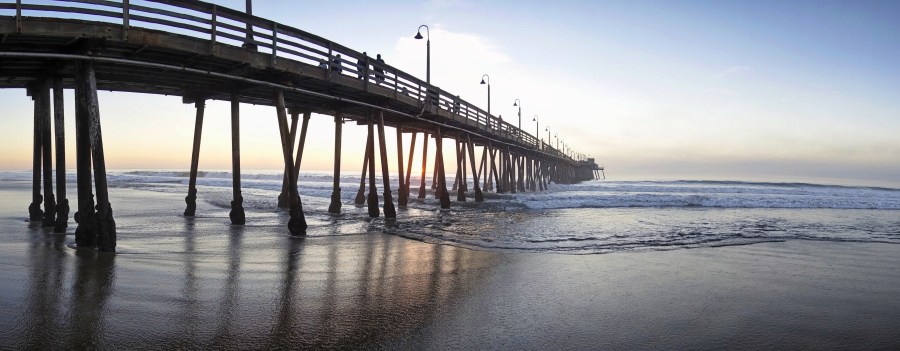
(755, 90)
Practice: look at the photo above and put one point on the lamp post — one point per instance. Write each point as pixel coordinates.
(427, 51)
(519, 104)
(489, 90)
(548, 135)
(249, 45)
(557, 140)
(537, 129)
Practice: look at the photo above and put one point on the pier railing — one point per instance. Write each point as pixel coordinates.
(224, 26)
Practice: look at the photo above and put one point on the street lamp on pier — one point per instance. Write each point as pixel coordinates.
(489, 89)
(519, 104)
(427, 51)
(537, 129)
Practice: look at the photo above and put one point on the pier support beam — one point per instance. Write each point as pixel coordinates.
(191, 198)
(34, 210)
(86, 231)
(62, 206)
(442, 179)
(402, 194)
(292, 136)
(460, 164)
(86, 82)
(424, 164)
(372, 198)
(361, 193)
(302, 145)
(43, 94)
(412, 149)
(479, 197)
(520, 170)
(236, 215)
(335, 206)
(297, 223)
(389, 210)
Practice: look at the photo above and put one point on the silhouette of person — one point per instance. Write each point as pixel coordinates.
(362, 66)
(379, 71)
(336, 64)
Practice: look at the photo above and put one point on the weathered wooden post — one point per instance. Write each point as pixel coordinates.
(482, 168)
(62, 206)
(86, 231)
(86, 80)
(520, 170)
(458, 168)
(442, 178)
(412, 149)
(361, 193)
(460, 164)
(479, 197)
(389, 210)
(335, 206)
(191, 198)
(424, 164)
(497, 170)
(236, 215)
(43, 93)
(34, 210)
(402, 194)
(372, 199)
(302, 146)
(283, 196)
(297, 223)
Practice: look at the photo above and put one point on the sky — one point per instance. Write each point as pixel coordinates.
(737, 90)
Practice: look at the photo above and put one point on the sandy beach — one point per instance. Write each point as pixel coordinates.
(198, 283)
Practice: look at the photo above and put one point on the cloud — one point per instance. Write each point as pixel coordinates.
(732, 71)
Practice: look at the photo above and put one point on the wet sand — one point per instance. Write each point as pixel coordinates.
(199, 283)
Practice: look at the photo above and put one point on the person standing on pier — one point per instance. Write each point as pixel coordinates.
(379, 71)
(336, 64)
(362, 66)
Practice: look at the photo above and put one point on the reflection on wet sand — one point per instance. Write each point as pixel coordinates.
(339, 291)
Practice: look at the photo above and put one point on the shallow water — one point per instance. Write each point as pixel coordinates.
(199, 283)
(588, 218)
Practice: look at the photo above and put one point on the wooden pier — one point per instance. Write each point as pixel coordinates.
(207, 52)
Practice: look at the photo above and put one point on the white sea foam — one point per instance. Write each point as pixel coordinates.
(597, 194)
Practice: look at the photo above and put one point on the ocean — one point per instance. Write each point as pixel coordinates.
(592, 217)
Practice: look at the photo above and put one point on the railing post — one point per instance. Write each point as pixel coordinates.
(125, 19)
(274, 43)
(18, 16)
(365, 72)
(212, 39)
(395, 84)
(328, 63)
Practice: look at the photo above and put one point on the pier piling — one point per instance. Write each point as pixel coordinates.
(62, 205)
(402, 196)
(424, 164)
(389, 210)
(86, 81)
(49, 219)
(191, 198)
(335, 206)
(297, 222)
(236, 215)
(372, 198)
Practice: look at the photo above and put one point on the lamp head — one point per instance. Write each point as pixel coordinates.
(482, 80)
(418, 35)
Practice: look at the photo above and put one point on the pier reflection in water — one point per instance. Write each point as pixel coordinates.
(244, 286)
